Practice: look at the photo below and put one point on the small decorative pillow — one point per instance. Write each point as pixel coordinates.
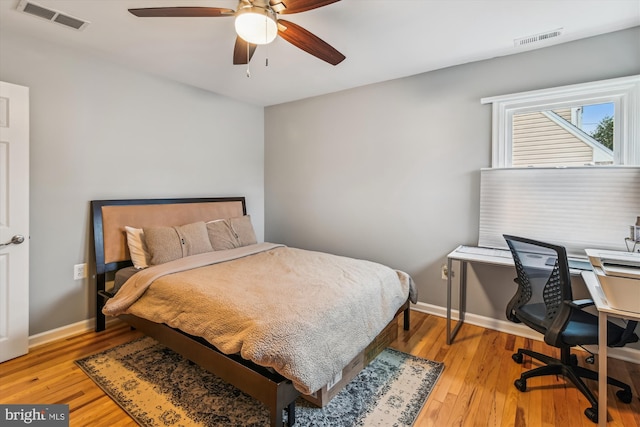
(231, 233)
(170, 243)
(194, 238)
(137, 248)
(243, 229)
(163, 244)
(221, 235)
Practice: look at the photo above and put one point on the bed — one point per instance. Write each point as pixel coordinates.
(272, 365)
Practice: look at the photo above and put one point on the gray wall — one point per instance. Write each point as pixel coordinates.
(391, 172)
(98, 131)
(387, 172)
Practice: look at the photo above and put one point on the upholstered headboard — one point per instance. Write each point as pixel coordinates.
(109, 218)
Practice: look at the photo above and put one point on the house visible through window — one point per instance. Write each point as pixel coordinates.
(595, 123)
(569, 136)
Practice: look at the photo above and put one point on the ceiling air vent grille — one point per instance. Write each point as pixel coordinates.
(34, 9)
(537, 38)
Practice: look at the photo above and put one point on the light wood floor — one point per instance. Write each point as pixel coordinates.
(476, 387)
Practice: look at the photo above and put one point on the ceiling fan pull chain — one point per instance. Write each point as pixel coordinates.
(248, 72)
(266, 36)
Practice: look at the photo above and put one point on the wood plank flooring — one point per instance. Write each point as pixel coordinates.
(475, 389)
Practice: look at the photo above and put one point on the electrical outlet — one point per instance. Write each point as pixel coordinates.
(79, 271)
(444, 272)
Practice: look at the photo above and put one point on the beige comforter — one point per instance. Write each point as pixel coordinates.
(305, 314)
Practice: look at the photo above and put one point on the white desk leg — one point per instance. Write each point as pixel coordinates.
(602, 369)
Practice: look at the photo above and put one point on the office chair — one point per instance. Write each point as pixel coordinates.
(544, 302)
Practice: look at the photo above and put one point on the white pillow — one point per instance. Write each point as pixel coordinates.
(137, 247)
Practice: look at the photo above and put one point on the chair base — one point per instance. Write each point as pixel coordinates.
(568, 367)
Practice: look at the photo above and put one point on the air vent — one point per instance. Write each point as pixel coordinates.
(537, 38)
(34, 9)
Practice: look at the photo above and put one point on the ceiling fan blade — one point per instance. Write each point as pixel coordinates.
(303, 39)
(183, 12)
(240, 51)
(295, 6)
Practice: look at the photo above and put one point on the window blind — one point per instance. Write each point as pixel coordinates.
(582, 207)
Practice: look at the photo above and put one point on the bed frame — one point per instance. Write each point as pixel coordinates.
(111, 254)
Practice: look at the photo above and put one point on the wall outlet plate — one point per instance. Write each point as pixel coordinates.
(444, 272)
(79, 271)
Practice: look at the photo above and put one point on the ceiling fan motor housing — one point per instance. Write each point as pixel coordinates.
(256, 22)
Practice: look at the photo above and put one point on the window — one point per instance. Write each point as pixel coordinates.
(595, 123)
(545, 182)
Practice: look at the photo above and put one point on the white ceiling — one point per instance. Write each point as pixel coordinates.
(382, 40)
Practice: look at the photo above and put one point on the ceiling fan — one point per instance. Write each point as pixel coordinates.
(257, 23)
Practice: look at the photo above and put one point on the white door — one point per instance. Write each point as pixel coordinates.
(14, 220)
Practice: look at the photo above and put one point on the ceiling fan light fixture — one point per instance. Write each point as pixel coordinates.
(256, 25)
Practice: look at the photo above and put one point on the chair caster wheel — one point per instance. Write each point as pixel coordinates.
(592, 414)
(517, 357)
(520, 384)
(624, 395)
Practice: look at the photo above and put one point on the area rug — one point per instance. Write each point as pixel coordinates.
(158, 387)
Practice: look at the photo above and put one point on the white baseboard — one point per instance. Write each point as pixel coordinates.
(622, 353)
(66, 331)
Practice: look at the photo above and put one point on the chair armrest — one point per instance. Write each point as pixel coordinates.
(580, 303)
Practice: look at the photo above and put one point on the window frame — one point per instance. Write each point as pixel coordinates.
(623, 92)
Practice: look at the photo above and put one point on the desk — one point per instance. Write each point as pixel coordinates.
(501, 257)
(464, 255)
(604, 311)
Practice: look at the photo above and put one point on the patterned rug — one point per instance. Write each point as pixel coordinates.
(158, 387)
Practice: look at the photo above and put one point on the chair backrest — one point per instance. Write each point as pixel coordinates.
(543, 281)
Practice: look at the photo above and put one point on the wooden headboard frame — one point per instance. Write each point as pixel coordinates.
(109, 218)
